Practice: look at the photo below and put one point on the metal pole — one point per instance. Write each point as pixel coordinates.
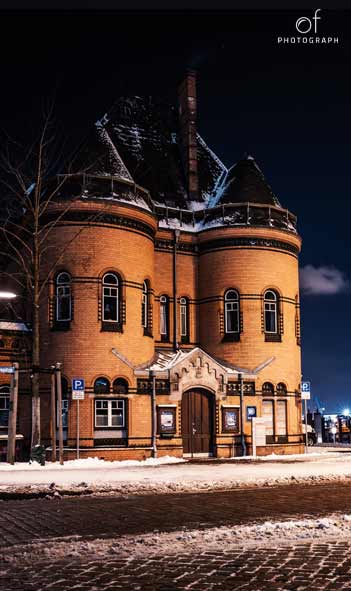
(11, 442)
(53, 416)
(242, 434)
(59, 404)
(154, 416)
(306, 436)
(77, 429)
(175, 340)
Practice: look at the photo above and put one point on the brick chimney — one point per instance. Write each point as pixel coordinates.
(187, 120)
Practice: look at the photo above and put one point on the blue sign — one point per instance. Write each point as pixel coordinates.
(250, 412)
(78, 384)
(306, 387)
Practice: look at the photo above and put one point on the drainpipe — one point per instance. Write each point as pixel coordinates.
(242, 434)
(153, 415)
(175, 243)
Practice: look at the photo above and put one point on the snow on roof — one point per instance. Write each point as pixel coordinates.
(118, 168)
(167, 360)
(18, 326)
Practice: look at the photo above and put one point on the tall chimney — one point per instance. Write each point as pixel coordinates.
(187, 120)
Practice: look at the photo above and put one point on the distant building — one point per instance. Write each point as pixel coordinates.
(177, 268)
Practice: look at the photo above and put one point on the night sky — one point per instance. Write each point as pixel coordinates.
(289, 106)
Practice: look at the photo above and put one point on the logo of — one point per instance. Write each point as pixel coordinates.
(308, 29)
(304, 24)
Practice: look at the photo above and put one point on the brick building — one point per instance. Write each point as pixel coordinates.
(177, 290)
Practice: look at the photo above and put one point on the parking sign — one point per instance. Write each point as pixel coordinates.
(305, 390)
(78, 389)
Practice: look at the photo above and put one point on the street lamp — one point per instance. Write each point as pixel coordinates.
(346, 412)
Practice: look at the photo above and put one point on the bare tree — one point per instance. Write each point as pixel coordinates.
(33, 186)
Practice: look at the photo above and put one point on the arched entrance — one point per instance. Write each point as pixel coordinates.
(197, 421)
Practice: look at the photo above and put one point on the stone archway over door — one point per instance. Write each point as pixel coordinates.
(197, 421)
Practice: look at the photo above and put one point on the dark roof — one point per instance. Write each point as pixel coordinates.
(245, 182)
(140, 137)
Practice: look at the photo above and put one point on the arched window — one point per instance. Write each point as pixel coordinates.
(110, 297)
(144, 305)
(231, 311)
(101, 386)
(164, 317)
(281, 389)
(4, 405)
(268, 389)
(270, 312)
(63, 297)
(146, 309)
(184, 319)
(120, 386)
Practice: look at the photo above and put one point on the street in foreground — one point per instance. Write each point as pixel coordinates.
(282, 537)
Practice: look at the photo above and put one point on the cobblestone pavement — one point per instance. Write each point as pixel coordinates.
(302, 565)
(312, 566)
(26, 521)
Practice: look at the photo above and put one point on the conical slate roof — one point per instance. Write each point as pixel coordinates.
(245, 183)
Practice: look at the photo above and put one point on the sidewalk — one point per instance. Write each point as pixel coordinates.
(171, 475)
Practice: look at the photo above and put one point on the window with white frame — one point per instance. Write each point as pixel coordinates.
(4, 405)
(144, 305)
(281, 417)
(267, 414)
(164, 317)
(63, 297)
(184, 318)
(231, 311)
(110, 298)
(270, 312)
(109, 413)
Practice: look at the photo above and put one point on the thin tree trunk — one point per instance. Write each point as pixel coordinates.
(36, 348)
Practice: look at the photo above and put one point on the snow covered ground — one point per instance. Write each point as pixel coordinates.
(335, 526)
(173, 475)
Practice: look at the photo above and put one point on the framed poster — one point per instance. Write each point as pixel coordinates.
(166, 419)
(230, 419)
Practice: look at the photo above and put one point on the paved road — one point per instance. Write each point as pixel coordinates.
(312, 565)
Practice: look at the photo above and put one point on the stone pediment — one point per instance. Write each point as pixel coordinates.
(197, 369)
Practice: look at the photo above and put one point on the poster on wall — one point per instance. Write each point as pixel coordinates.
(230, 419)
(166, 419)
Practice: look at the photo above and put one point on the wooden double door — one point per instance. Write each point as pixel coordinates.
(197, 421)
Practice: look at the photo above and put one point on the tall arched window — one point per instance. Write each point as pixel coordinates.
(144, 304)
(63, 297)
(4, 405)
(164, 317)
(146, 309)
(270, 312)
(184, 319)
(110, 298)
(101, 386)
(231, 312)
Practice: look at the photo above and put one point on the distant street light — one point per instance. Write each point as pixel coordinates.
(7, 295)
(346, 412)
